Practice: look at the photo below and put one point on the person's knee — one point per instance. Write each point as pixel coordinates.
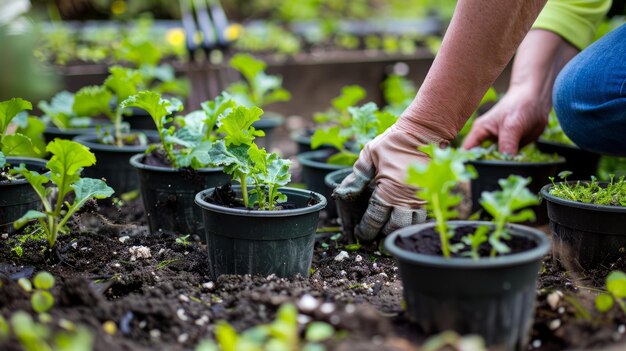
(570, 102)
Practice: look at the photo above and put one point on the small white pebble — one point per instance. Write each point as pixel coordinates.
(370, 291)
(358, 258)
(561, 310)
(375, 265)
(303, 319)
(208, 285)
(536, 343)
(342, 273)
(115, 252)
(204, 320)
(139, 252)
(183, 298)
(160, 252)
(155, 333)
(271, 276)
(181, 314)
(377, 253)
(621, 329)
(555, 324)
(143, 324)
(341, 256)
(74, 245)
(308, 303)
(124, 238)
(334, 320)
(5, 236)
(182, 338)
(383, 275)
(116, 265)
(327, 308)
(350, 308)
(553, 299)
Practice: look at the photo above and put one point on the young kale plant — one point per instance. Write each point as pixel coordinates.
(436, 181)
(554, 132)
(59, 112)
(614, 294)
(366, 123)
(338, 114)
(258, 88)
(41, 300)
(187, 141)
(509, 205)
(66, 164)
(612, 193)
(399, 92)
(528, 154)
(16, 144)
(246, 163)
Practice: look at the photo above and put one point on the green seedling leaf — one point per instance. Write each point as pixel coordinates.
(226, 336)
(319, 331)
(28, 217)
(247, 65)
(616, 284)
(34, 130)
(344, 158)
(364, 123)
(3, 160)
(93, 101)
(384, 120)
(207, 345)
(330, 136)
(42, 301)
(124, 82)
(5, 329)
(350, 96)
(59, 110)
(80, 340)
(67, 161)
(259, 88)
(43, 281)
(89, 188)
(237, 126)
(604, 302)
(564, 174)
(25, 284)
(18, 145)
(9, 109)
(151, 102)
(398, 91)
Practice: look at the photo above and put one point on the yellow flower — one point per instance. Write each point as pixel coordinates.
(175, 37)
(233, 32)
(118, 7)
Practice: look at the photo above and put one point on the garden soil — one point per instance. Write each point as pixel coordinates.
(164, 300)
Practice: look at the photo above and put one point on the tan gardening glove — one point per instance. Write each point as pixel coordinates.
(385, 161)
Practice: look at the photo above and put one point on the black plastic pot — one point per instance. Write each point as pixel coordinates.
(349, 212)
(314, 170)
(491, 297)
(489, 172)
(17, 196)
(112, 162)
(139, 119)
(303, 140)
(585, 236)
(51, 133)
(583, 164)
(168, 195)
(268, 123)
(242, 241)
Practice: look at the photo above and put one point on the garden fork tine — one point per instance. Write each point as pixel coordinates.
(198, 86)
(209, 43)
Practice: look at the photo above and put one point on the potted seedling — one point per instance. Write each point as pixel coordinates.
(587, 221)
(72, 191)
(492, 165)
(258, 89)
(116, 144)
(583, 164)
(259, 226)
(62, 121)
(16, 196)
(398, 92)
(363, 124)
(338, 114)
(473, 277)
(172, 172)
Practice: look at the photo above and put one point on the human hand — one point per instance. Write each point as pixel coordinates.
(385, 161)
(516, 120)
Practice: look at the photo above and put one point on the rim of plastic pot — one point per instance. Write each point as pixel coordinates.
(334, 178)
(558, 161)
(545, 193)
(557, 144)
(269, 119)
(258, 213)
(306, 159)
(91, 141)
(30, 159)
(534, 254)
(136, 161)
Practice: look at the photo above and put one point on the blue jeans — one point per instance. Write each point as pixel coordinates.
(590, 96)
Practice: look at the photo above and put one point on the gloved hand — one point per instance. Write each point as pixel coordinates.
(385, 161)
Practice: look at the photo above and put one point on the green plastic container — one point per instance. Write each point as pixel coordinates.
(314, 171)
(17, 197)
(585, 236)
(242, 241)
(112, 162)
(168, 195)
(491, 297)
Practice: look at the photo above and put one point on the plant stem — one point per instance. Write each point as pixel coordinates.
(117, 127)
(244, 190)
(441, 226)
(497, 233)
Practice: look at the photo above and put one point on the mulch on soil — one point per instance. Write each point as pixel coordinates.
(167, 301)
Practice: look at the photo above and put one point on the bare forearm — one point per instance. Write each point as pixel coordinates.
(480, 41)
(538, 61)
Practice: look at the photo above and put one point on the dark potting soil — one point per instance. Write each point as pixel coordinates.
(427, 242)
(226, 197)
(165, 300)
(157, 158)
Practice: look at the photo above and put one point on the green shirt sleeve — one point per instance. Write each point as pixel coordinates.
(575, 20)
